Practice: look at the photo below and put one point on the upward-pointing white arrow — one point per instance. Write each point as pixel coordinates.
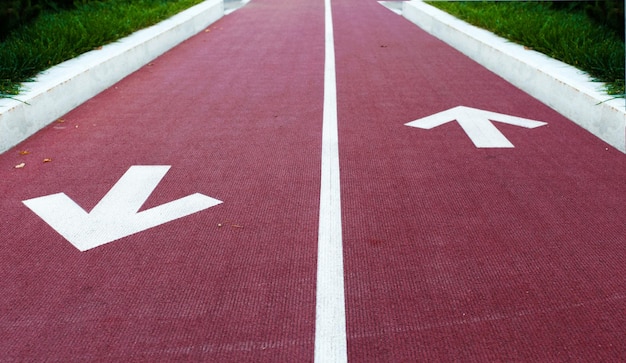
(116, 216)
(477, 125)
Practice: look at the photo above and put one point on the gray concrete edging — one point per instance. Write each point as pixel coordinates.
(63, 87)
(562, 87)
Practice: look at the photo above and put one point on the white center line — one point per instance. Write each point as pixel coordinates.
(330, 318)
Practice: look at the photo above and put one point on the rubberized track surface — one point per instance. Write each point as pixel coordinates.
(451, 252)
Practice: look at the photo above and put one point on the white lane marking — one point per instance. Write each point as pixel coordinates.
(116, 216)
(330, 318)
(477, 125)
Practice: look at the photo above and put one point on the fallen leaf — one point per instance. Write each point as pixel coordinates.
(20, 165)
(47, 160)
(24, 152)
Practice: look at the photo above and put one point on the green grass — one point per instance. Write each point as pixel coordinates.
(58, 36)
(564, 35)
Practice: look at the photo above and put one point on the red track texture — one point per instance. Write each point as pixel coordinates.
(452, 253)
(236, 111)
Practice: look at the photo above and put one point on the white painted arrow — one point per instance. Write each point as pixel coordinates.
(116, 216)
(477, 125)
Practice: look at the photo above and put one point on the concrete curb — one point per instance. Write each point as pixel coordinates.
(564, 88)
(61, 88)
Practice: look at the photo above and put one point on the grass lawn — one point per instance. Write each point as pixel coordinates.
(56, 36)
(569, 36)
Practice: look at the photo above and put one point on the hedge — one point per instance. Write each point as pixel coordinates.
(609, 13)
(14, 13)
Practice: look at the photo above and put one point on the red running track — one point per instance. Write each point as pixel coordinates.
(236, 111)
(455, 253)
(451, 252)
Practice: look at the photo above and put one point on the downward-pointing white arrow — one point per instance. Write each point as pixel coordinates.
(115, 216)
(477, 125)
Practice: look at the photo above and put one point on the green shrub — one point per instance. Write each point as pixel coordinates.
(609, 13)
(17, 13)
(14, 13)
